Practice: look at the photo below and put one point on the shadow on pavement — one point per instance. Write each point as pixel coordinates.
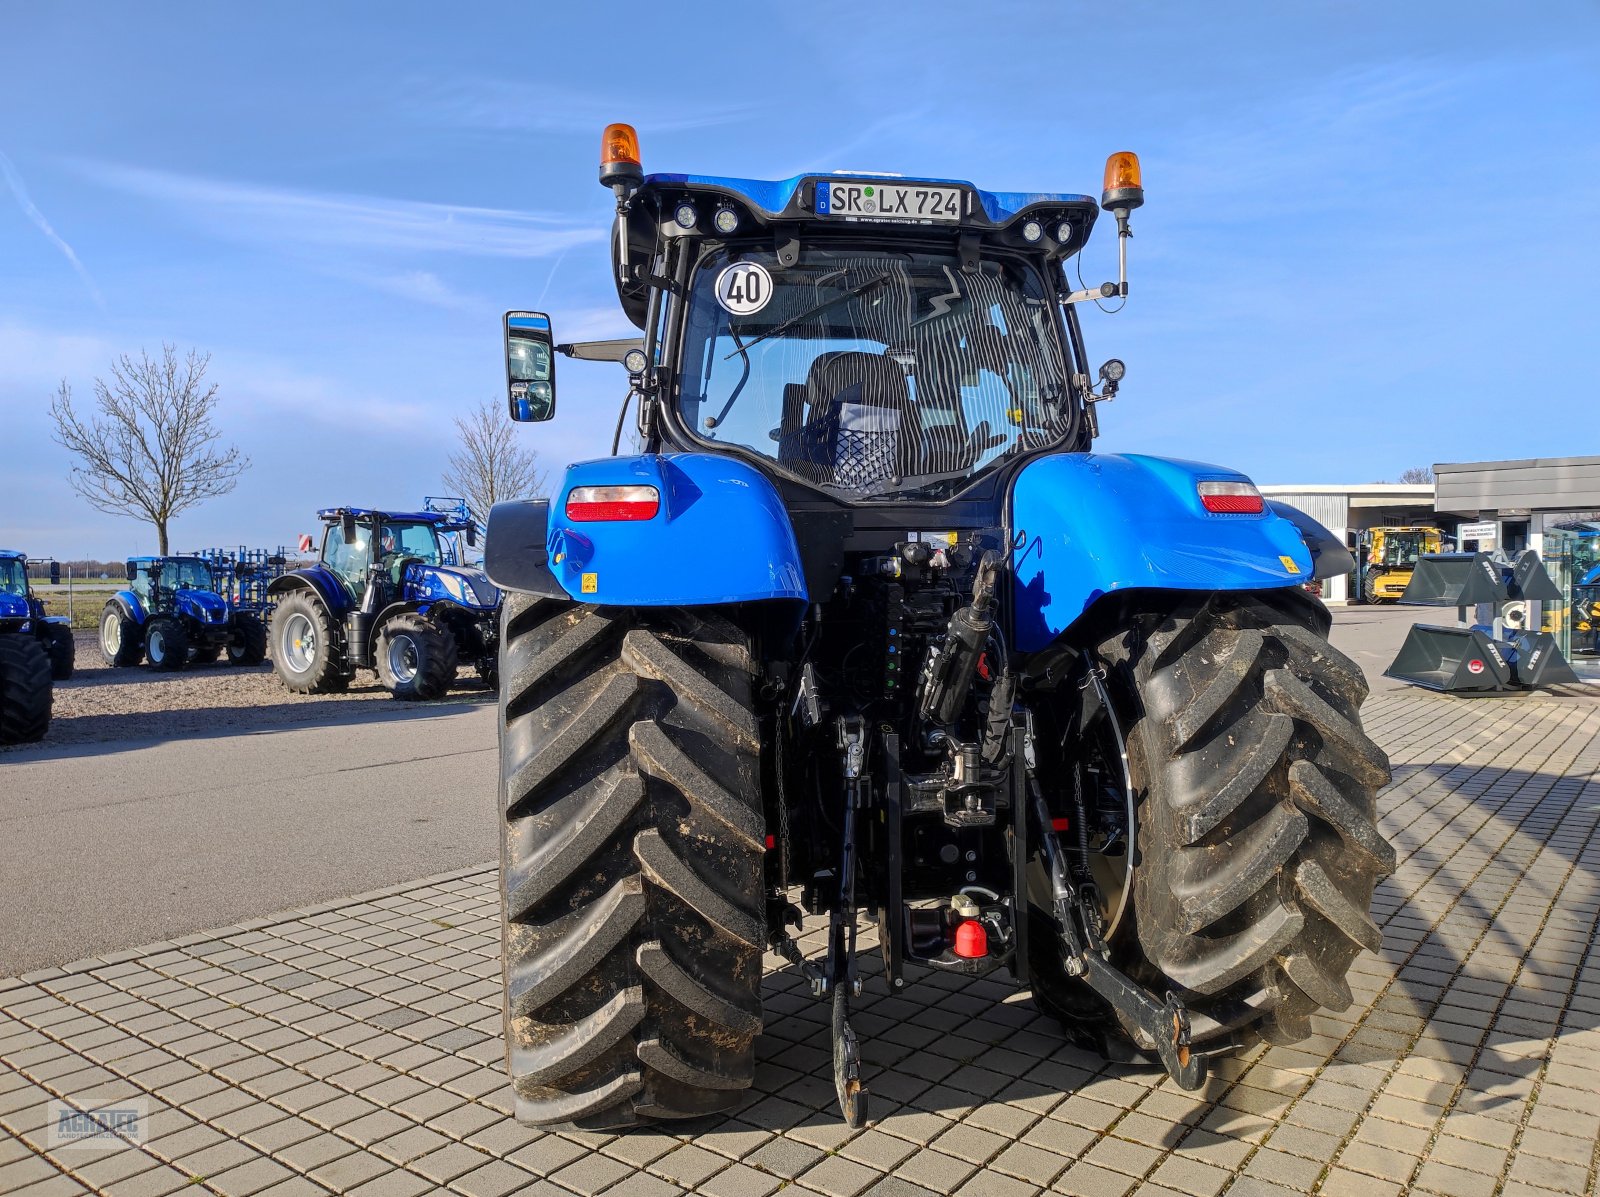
(1478, 977)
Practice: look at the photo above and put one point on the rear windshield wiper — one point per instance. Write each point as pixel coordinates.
(862, 289)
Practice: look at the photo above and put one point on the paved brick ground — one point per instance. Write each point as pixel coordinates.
(353, 1048)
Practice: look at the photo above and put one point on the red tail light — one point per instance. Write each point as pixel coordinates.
(1231, 498)
(591, 504)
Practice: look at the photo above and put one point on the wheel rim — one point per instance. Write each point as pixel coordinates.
(111, 634)
(403, 663)
(156, 645)
(299, 642)
(1104, 744)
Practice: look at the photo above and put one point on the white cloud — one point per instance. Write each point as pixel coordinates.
(421, 286)
(38, 359)
(284, 217)
(31, 211)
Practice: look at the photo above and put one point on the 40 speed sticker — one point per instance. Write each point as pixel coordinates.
(744, 288)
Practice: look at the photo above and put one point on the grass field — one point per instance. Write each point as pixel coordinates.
(87, 599)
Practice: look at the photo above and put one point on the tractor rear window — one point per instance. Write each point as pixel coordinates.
(874, 375)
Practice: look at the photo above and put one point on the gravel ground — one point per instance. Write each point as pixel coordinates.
(101, 703)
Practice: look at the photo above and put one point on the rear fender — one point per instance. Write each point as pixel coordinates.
(1329, 556)
(321, 582)
(1092, 524)
(131, 605)
(721, 535)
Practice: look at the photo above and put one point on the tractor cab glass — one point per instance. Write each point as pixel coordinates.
(13, 576)
(1401, 548)
(187, 575)
(396, 539)
(419, 540)
(873, 374)
(181, 574)
(530, 366)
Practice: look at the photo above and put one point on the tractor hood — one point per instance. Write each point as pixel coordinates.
(205, 606)
(458, 584)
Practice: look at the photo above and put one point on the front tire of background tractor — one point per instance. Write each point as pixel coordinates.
(166, 644)
(631, 862)
(416, 658)
(304, 651)
(1258, 847)
(121, 640)
(62, 650)
(248, 643)
(25, 695)
(1369, 590)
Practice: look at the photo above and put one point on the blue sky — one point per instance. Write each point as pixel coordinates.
(1369, 238)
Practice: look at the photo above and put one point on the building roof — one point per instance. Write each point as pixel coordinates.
(1422, 492)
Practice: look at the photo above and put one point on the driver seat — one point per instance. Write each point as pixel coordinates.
(861, 425)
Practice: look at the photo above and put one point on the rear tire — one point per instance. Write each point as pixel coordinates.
(416, 658)
(25, 695)
(304, 651)
(248, 643)
(121, 639)
(631, 862)
(166, 644)
(1258, 847)
(62, 650)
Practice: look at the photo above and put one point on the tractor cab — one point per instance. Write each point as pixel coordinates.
(406, 552)
(22, 611)
(387, 541)
(869, 340)
(14, 592)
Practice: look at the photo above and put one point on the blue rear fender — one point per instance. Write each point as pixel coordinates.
(320, 581)
(1092, 524)
(132, 605)
(721, 535)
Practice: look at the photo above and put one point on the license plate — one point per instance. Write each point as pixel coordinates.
(876, 200)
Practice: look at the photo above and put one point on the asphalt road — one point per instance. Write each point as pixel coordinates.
(114, 845)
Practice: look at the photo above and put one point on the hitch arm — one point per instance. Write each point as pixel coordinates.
(1164, 1021)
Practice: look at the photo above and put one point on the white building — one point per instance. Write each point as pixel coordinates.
(1345, 510)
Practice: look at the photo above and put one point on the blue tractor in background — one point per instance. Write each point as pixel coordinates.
(869, 627)
(389, 592)
(34, 650)
(23, 611)
(176, 612)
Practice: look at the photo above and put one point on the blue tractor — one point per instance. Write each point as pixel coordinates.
(868, 627)
(34, 650)
(174, 613)
(388, 593)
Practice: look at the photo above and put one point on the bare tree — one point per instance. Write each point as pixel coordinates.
(1417, 474)
(490, 467)
(152, 452)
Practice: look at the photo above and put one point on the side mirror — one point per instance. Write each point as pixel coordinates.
(347, 527)
(530, 366)
(55, 573)
(132, 571)
(472, 536)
